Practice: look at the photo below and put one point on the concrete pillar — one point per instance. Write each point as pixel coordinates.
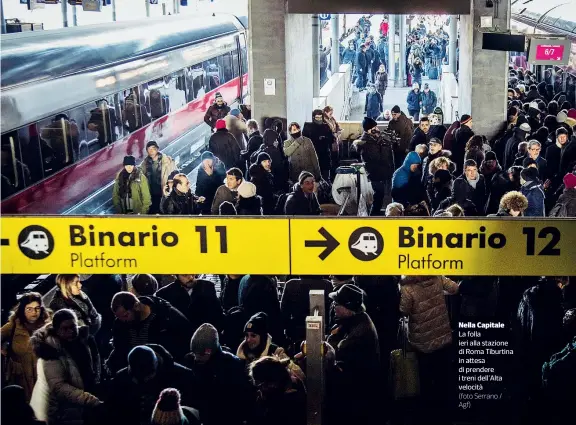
(316, 54)
(402, 64)
(147, 5)
(335, 52)
(3, 21)
(64, 8)
(391, 52)
(483, 74)
(74, 16)
(453, 36)
(113, 10)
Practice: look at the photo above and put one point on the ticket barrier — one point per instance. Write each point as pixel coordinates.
(314, 357)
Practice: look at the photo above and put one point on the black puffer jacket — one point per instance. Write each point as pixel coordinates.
(298, 204)
(225, 146)
(170, 328)
(178, 203)
(131, 403)
(378, 156)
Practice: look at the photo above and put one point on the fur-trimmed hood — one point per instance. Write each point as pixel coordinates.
(47, 345)
(417, 280)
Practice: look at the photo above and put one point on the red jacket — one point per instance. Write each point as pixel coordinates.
(384, 28)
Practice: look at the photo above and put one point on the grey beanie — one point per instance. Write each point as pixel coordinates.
(205, 340)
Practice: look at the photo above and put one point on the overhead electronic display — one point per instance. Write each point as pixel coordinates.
(546, 51)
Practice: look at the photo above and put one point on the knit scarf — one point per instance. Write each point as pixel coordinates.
(124, 181)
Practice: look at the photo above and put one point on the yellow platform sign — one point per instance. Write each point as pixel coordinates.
(163, 245)
(282, 246)
(433, 246)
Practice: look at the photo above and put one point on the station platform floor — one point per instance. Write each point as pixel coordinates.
(393, 96)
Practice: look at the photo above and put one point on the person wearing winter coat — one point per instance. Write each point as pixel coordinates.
(301, 154)
(279, 167)
(429, 333)
(428, 99)
(133, 392)
(421, 134)
(381, 80)
(461, 138)
(228, 192)
(181, 200)
(441, 188)
(224, 145)
(512, 204)
(373, 106)
(434, 151)
(566, 204)
(404, 129)
(255, 140)
(406, 180)
(322, 138)
(194, 298)
(27, 317)
(156, 167)
(248, 202)
(211, 173)
(488, 168)
(165, 324)
(416, 70)
(16, 408)
(261, 176)
(67, 371)
(280, 401)
(303, 200)
(471, 186)
(362, 66)
(437, 127)
(357, 357)
(217, 111)
(450, 137)
(349, 54)
(236, 125)
(414, 100)
(69, 295)
(258, 343)
(131, 194)
(502, 183)
(519, 135)
(377, 153)
(532, 189)
(225, 388)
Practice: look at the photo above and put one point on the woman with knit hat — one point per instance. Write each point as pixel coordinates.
(168, 410)
(131, 194)
(258, 343)
(248, 202)
(566, 204)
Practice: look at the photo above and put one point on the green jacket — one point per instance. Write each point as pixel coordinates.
(141, 198)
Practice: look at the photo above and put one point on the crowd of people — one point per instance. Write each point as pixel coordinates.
(167, 350)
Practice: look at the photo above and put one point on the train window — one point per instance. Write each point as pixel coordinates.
(226, 70)
(101, 124)
(213, 74)
(33, 150)
(195, 82)
(176, 90)
(158, 97)
(235, 64)
(243, 54)
(61, 133)
(134, 111)
(15, 173)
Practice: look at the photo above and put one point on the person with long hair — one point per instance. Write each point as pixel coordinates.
(28, 316)
(69, 294)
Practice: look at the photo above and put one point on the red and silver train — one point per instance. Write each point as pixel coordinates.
(76, 101)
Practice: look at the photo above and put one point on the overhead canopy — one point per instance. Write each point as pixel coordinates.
(553, 16)
(447, 7)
